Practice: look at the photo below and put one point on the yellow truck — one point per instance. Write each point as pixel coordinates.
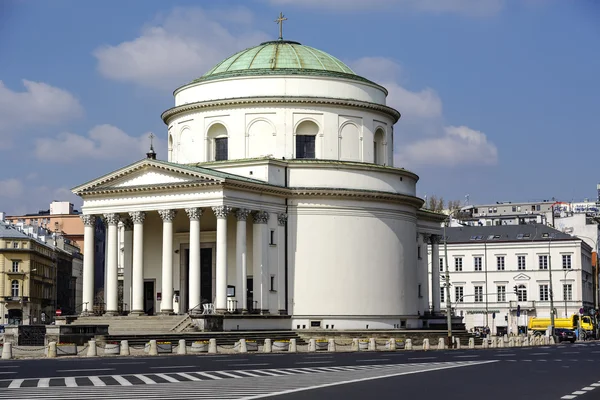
(539, 325)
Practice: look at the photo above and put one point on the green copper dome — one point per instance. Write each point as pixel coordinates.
(280, 57)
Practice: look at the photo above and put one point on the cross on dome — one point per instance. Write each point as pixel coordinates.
(279, 22)
(151, 154)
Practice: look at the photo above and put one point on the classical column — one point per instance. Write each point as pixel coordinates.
(281, 223)
(111, 295)
(137, 273)
(221, 212)
(260, 265)
(435, 273)
(241, 291)
(423, 268)
(166, 304)
(127, 261)
(194, 299)
(89, 223)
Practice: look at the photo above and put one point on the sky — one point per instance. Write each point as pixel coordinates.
(500, 99)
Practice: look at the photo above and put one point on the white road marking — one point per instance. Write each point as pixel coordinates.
(167, 378)
(248, 373)
(188, 376)
(375, 359)
(44, 382)
(145, 379)
(175, 366)
(468, 356)
(568, 397)
(313, 362)
(539, 354)
(10, 366)
(588, 388)
(85, 370)
(96, 381)
(70, 382)
(247, 365)
(578, 392)
(422, 358)
(595, 384)
(228, 374)
(209, 375)
(122, 381)
(16, 383)
(6, 373)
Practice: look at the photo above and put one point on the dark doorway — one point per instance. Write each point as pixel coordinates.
(250, 294)
(15, 317)
(149, 297)
(206, 292)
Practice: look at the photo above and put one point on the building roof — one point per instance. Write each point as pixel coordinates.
(280, 57)
(505, 233)
(10, 232)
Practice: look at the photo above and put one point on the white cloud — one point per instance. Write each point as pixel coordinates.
(103, 142)
(460, 145)
(464, 7)
(179, 48)
(11, 188)
(39, 104)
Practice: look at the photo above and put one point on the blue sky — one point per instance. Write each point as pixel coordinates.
(499, 98)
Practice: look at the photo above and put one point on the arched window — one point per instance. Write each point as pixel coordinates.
(522, 293)
(218, 145)
(306, 135)
(378, 138)
(170, 147)
(15, 288)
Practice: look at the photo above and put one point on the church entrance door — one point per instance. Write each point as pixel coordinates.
(206, 292)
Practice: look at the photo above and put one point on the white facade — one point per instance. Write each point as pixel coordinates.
(332, 240)
(485, 271)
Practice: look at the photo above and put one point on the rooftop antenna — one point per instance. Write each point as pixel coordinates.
(280, 23)
(151, 154)
(467, 200)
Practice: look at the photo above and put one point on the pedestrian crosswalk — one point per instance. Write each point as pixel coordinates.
(172, 377)
(239, 384)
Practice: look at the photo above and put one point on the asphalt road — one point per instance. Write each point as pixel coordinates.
(546, 372)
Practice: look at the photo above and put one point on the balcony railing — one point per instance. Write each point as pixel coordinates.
(13, 274)
(15, 299)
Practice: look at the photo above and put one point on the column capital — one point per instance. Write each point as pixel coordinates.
(167, 215)
(221, 211)
(435, 239)
(260, 217)
(127, 224)
(194, 214)
(137, 217)
(111, 218)
(88, 219)
(242, 214)
(426, 237)
(282, 219)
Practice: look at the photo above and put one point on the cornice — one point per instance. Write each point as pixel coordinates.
(269, 100)
(427, 215)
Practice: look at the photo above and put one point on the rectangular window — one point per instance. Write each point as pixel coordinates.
(272, 283)
(477, 263)
(419, 253)
(305, 146)
(221, 149)
(543, 262)
(501, 293)
(420, 295)
(544, 293)
(15, 245)
(568, 292)
(566, 261)
(442, 295)
(459, 294)
(272, 237)
(521, 262)
(478, 294)
(500, 263)
(441, 265)
(15, 266)
(458, 264)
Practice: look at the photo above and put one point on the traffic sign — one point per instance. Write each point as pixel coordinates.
(59, 312)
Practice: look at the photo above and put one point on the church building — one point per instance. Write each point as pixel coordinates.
(278, 199)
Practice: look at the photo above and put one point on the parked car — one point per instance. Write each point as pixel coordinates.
(565, 335)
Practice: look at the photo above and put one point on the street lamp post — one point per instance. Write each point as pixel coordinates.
(564, 292)
(551, 287)
(447, 279)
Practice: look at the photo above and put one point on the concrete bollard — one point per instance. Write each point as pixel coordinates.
(408, 344)
(354, 346)
(52, 350)
(372, 344)
(312, 345)
(471, 343)
(124, 348)
(552, 341)
(525, 342)
(268, 347)
(457, 343)
(511, 342)
(242, 346)
(212, 346)
(546, 340)
(425, 344)
(7, 351)
(92, 349)
(486, 343)
(392, 344)
(293, 346)
(331, 345)
(441, 344)
(518, 341)
(500, 341)
(494, 342)
(153, 351)
(181, 348)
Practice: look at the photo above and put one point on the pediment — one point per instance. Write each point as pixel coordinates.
(522, 277)
(148, 174)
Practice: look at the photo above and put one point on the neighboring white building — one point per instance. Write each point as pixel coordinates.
(487, 263)
(278, 197)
